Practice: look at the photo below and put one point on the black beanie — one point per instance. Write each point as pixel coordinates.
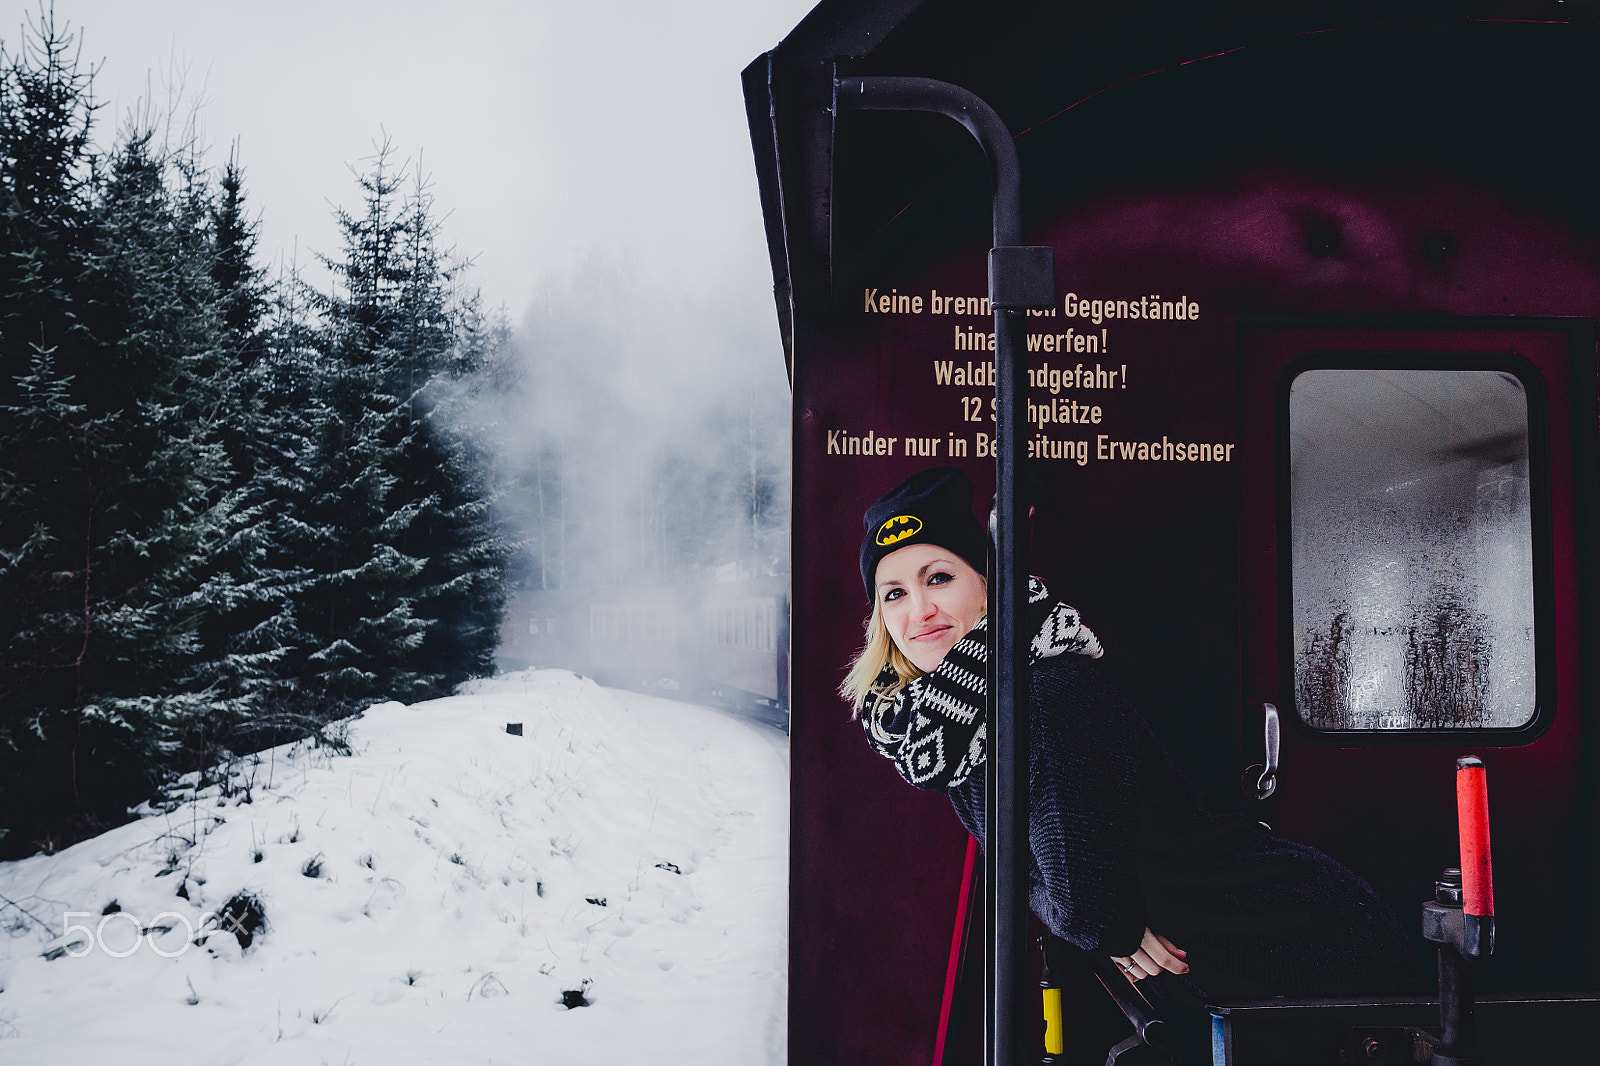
(929, 507)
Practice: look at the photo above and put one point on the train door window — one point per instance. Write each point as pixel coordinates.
(1411, 549)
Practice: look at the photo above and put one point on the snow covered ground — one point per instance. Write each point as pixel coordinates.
(433, 896)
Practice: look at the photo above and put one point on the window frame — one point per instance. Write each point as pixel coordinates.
(1539, 491)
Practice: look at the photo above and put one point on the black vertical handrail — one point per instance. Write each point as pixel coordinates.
(1006, 849)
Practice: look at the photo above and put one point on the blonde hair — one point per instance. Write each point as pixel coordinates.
(878, 652)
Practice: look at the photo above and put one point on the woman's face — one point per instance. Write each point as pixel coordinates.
(929, 598)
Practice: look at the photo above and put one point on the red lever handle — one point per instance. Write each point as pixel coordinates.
(1472, 815)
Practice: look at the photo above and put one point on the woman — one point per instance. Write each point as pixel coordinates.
(1128, 860)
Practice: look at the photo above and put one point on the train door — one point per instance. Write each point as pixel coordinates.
(1412, 536)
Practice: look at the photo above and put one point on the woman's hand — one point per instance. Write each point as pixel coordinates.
(1156, 953)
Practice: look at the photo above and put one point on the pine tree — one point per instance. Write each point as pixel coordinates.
(405, 580)
(357, 606)
(129, 535)
(215, 531)
(117, 493)
(268, 642)
(247, 627)
(46, 191)
(243, 297)
(153, 479)
(46, 167)
(440, 469)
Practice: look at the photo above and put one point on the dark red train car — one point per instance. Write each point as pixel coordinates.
(1312, 423)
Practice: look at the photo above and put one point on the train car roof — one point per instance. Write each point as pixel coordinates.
(826, 192)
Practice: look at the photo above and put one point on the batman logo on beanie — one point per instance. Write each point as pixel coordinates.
(899, 528)
(929, 507)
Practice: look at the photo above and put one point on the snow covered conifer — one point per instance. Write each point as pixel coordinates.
(405, 574)
(116, 489)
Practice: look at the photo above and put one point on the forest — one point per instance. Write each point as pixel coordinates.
(237, 505)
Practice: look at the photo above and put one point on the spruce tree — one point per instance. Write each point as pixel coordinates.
(47, 182)
(151, 480)
(442, 340)
(247, 627)
(117, 490)
(215, 530)
(406, 572)
(46, 171)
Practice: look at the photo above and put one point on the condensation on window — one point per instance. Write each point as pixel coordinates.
(1412, 550)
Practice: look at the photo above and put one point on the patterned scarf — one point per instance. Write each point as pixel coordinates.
(933, 728)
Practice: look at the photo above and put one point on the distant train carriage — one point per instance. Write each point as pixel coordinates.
(544, 627)
(639, 636)
(1311, 440)
(724, 641)
(745, 639)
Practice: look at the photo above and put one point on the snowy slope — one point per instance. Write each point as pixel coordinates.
(430, 897)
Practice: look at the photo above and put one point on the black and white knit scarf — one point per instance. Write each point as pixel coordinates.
(933, 729)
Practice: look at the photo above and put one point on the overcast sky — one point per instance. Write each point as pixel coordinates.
(551, 129)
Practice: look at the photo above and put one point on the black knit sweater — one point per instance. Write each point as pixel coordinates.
(1121, 842)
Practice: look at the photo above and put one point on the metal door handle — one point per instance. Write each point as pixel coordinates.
(1268, 784)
